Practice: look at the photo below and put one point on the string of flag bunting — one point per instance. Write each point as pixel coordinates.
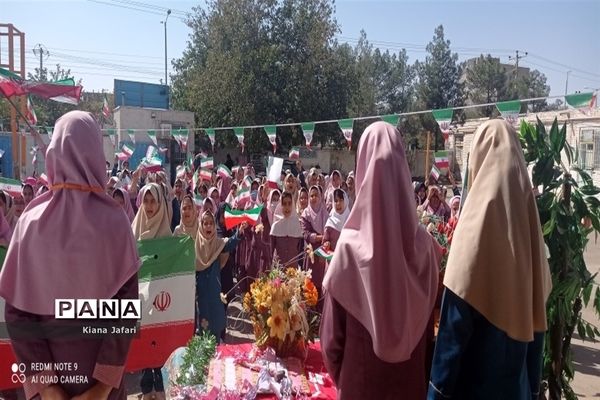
(509, 110)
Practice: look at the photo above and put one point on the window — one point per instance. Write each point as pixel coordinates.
(589, 148)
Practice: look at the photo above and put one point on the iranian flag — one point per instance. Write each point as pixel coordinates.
(271, 131)
(152, 162)
(295, 153)
(126, 153)
(205, 175)
(247, 182)
(308, 129)
(243, 195)
(239, 134)
(435, 172)
(582, 101)
(326, 254)
(105, 107)
(211, 136)
(167, 290)
(346, 127)
(12, 186)
(207, 163)
(31, 117)
(152, 135)
(198, 200)
(441, 160)
(444, 118)
(235, 217)
(181, 136)
(509, 110)
(223, 171)
(112, 135)
(64, 91)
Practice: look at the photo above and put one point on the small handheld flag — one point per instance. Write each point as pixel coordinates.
(235, 217)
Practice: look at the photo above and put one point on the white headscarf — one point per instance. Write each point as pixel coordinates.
(335, 220)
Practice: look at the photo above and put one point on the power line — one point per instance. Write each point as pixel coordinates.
(135, 9)
(565, 66)
(152, 6)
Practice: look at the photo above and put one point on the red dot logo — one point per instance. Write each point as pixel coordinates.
(162, 301)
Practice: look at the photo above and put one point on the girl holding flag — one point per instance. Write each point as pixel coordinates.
(212, 253)
(152, 222)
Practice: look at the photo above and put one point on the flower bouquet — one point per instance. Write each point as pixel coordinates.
(437, 228)
(280, 305)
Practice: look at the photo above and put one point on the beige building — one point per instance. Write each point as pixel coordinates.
(583, 134)
(162, 121)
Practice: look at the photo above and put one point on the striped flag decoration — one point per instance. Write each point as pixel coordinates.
(247, 182)
(207, 163)
(223, 171)
(205, 175)
(211, 136)
(308, 129)
(295, 153)
(243, 195)
(441, 162)
(239, 134)
(444, 118)
(326, 254)
(435, 172)
(12, 186)
(271, 131)
(235, 217)
(346, 125)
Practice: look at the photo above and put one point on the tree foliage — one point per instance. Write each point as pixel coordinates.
(486, 83)
(569, 211)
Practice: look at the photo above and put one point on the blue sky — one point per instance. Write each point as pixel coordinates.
(100, 42)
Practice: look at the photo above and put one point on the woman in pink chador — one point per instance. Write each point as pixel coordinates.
(381, 285)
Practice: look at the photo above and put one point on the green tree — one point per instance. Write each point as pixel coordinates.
(253, 62)
(439, 80)
(486, 83)
(530, 85)
(394, 80)
(569, 212)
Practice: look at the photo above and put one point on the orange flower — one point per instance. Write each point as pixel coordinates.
(311, 295)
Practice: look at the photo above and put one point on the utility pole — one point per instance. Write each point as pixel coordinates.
(41, 51)
(517, 58)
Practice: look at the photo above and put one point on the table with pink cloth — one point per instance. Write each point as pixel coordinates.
(313, 367)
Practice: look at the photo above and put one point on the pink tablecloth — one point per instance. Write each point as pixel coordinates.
(313, 363)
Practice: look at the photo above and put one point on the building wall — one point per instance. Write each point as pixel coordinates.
(148, 118)
(576, 123)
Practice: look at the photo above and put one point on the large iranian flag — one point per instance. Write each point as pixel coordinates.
(167, 290)
(64, 91)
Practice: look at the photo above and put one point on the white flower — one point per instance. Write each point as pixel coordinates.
(430, 227)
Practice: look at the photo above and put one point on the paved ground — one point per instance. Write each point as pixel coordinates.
(586, 355)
